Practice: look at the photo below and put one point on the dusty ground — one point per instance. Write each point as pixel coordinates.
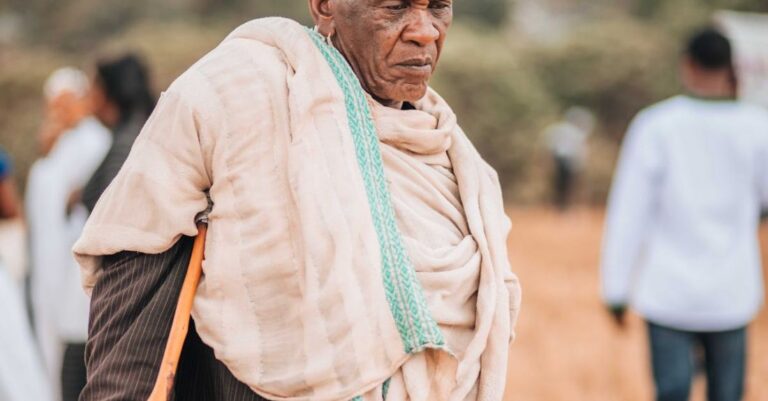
(567, 348)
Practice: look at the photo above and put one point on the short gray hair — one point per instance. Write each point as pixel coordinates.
(66, 80)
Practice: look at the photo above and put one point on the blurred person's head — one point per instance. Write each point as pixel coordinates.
(707, 67)
(65, 94)
(582, 118)
(66, 103)
(121, 90)
(392, 46)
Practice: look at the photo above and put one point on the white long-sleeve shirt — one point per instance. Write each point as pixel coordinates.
(681, 240)
(60, 306)
(21, 375)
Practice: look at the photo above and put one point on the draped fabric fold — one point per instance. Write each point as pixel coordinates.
(350, 245)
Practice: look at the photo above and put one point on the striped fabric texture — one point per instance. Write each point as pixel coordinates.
(417, 328)
(131, 312)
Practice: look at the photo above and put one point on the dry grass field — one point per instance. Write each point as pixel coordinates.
(567, 348)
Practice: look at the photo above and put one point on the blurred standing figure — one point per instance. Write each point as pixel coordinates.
(72, 146)
(567, 141)
(681, 236)
(22, 375)
(122, 100)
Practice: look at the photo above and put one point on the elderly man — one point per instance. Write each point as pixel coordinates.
(357, 241)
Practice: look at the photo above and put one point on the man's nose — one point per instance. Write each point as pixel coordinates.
(421, 28)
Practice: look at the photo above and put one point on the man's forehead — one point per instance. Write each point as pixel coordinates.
(377, 2)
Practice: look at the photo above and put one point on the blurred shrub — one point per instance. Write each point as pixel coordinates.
(21, 75)
(653, 9)
(500, 102)
(24, 70)
(507, 90)
(614, 66)
(492, 12)
(504, 88)
(80, 24)
(182, 45)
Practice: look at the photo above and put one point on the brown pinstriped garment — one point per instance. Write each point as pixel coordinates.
(131, 311)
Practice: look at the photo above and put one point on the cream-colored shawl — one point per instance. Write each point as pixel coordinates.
(354, 251)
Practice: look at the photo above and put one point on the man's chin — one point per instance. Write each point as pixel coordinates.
(413, 92)
(403, 92)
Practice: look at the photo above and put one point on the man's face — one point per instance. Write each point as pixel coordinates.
(392, 45)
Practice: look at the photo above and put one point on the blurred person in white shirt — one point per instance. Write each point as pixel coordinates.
(22, 376)
(72, 144)
(567, 142)
(681, 242)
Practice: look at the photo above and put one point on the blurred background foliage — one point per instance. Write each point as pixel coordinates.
(510, 67)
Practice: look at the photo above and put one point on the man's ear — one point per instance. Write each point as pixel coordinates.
(322, 14)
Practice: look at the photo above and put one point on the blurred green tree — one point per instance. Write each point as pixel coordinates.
(500, 102)
(492, 12)
(653, 8)
(614, 66)
(614, 57)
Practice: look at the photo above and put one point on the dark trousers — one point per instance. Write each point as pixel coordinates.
(132, 307)
(73, 374)
(563, 181)
(674, 359)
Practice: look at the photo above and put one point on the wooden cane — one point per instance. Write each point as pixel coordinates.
(166, 376)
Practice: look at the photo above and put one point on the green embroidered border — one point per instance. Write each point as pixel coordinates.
(418, 330)
(385, 388)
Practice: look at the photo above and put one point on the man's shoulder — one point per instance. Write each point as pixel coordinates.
(228, 69)
(657, 116)
(756, 113)
(233, 62)
(662, 109)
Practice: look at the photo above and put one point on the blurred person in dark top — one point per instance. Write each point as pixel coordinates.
(122, 100)
(22, 375)
(681, 237)
(72, 143)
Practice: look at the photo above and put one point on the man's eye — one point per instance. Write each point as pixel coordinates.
(397, 7)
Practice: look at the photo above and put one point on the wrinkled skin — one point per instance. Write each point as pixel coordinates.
(392, 45)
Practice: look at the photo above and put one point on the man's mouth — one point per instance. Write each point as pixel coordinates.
(417, 65)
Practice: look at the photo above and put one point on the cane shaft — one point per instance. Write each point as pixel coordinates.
(180, 327)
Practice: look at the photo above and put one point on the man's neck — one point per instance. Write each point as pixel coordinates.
(720, 89)
(712, 96)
